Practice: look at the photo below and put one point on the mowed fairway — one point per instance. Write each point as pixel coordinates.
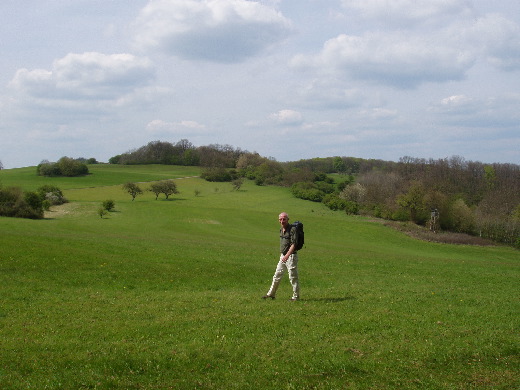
(166, 294)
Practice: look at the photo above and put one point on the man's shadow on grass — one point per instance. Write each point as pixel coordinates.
(331, 299)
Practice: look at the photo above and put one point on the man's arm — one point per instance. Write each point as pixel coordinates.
(289, 253)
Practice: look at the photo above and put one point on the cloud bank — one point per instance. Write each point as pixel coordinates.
(212, 30)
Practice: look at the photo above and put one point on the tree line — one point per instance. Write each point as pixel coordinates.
(451, 194)
(182, 152)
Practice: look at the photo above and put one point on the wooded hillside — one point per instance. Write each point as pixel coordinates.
(450, 194)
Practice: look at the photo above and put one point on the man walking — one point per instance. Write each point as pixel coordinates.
(288, 259)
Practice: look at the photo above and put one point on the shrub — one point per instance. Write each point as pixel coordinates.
(400, 214)
(462, 217)
(70, 167)
(46, 205)
(354, 193)
(325, 187)
(334, 202)
(33, 200)
(15, 203)
(8, 199)
(108, 205)
(216, 175)
(307, 191)
(351, 207)
(46, 168)
(52, 195)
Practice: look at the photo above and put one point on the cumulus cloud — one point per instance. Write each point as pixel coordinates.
(287, 117)
(394, 58)
(81, 83)
(406, 53)
(213, 30)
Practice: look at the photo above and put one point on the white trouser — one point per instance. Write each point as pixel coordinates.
(291, 265)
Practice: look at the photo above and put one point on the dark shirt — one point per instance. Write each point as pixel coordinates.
(287, 239)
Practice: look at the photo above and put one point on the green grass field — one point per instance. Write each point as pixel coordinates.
(167, 294)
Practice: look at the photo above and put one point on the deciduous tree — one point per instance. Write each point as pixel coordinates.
(133, 189)
(168, 187)
(413, 200)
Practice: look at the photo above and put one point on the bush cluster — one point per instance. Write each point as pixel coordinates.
(29, 204)
(51, 196)
(65, 166)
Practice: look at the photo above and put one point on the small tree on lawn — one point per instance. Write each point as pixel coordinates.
(169, 188)
(156, 188)
(108, 205)
(133, 189)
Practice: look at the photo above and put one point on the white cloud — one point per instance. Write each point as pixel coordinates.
(455, 101)
(158, 126)
(394, 58)
(404, 13)
(213, 30)
(82, 83)
(287, 117)
(407, 54)
(86, 76)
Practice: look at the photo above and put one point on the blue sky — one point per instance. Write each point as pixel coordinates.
(289, 79)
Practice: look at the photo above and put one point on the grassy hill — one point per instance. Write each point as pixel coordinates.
(166, 294)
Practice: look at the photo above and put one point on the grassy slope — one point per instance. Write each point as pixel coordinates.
(165, 294)
(100, 175)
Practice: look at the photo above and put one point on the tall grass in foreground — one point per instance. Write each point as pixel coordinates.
(166, 294)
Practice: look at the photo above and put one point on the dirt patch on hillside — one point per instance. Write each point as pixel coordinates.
(61, 210)
(421, 233)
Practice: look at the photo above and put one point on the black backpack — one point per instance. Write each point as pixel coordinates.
(300, 236)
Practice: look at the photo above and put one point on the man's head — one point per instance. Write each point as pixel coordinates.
(283, 218)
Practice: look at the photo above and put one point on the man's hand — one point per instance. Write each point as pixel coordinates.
(289, 253)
